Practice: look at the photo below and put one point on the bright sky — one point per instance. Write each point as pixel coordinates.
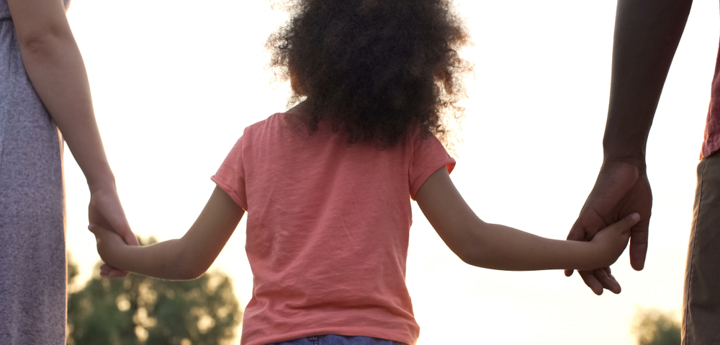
(175, 82)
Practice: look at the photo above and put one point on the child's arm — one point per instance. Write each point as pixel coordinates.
(185, 258)
(501, 247)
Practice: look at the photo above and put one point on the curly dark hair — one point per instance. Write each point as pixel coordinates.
(378, 68)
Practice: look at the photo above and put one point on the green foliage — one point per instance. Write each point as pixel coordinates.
(72, 270)
(138, 309)
(654, 327)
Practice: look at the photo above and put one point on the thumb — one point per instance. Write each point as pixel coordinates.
(94, 229)
(122, 228)
(624, 225)
(115, 216)
(130, 239)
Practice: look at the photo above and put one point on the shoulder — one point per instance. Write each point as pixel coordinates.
(266, 135)
(264, 127)
(271, 121)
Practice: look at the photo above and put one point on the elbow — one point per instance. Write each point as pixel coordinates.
(190, 272)
(472, 246)
(474, 257)
(472, 252)
(195, 274)
(186, 265)
(469, 259)
(190, 269)
(43, 44)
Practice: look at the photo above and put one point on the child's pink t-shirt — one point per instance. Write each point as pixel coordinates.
(327, 230)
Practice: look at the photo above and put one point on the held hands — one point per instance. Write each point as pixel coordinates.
(621, 189)
(106, 211)
(109, 243)
(611, 241)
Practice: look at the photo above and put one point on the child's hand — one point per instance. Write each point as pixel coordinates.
(611, 241)
(109, 244)
(106, 211)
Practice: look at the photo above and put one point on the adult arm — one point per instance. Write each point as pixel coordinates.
(647, 33)
(500, 247)
(56, 69)
(185, 258)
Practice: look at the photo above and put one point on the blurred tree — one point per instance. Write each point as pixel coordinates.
(654, 327)
(72, 270)
(138, 309)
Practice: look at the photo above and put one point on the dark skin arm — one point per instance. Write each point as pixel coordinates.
(647, 33)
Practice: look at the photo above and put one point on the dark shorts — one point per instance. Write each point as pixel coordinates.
(701, 298)
(331, 339)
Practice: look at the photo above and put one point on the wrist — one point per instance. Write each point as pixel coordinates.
(118, 255)
(101, 180)
(614, 158)
(589, 256)
(617, 150)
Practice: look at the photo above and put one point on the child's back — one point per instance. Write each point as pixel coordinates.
(327, 186)
(327, 229)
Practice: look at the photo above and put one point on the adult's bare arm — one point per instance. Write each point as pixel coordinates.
(56, 69)
(647, 33)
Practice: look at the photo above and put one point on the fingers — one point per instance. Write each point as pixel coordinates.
(607, 280)
(119, 224)
(130, 239)
(96, 230)
(577, 232)
(600, 279)
(624, 225)
(106, 210)
(110, 272)
(128, 236)
(105, 270)
(592, 282)
(122, 228)
(117, 274)
(638, 245)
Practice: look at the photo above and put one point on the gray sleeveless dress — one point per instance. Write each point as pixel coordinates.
(32, 230)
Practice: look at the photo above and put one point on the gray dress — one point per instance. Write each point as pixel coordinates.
(32, 229)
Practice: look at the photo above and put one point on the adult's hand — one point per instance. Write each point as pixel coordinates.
(106, 211)
(621, 188)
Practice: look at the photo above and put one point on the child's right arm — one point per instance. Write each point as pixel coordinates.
(185, 258)
(501, 247)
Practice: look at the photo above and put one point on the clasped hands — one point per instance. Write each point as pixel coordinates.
(621, 188)
(106, 211)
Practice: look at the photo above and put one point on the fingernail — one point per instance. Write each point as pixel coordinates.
(635, 216)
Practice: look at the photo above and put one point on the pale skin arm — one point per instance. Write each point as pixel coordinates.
(500, 247)
(55, 67)
(186, 258)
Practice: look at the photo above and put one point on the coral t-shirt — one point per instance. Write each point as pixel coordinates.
(327, 229)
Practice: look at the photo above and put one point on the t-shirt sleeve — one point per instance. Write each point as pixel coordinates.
(231, 174)
(428, 155)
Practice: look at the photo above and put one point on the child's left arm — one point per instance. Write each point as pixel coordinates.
(185, 258)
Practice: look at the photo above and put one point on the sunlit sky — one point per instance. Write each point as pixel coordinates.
(175, 82)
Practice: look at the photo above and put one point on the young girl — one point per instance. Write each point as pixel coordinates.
(326, 184)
